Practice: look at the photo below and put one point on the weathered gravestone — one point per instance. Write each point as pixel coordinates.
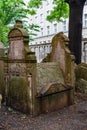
(16, 65)
(37, 87)
(55, 76)
(81, 78)
(60, 53)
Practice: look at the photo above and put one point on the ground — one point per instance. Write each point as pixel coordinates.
(73, 117)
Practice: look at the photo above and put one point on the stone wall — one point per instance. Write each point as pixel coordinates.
(48, 73)
(81, 78)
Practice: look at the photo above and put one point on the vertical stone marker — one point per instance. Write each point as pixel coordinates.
(60, 53)
(16, 39)
(19, 55)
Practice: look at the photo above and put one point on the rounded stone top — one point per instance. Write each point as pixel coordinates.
(18, 30)
(1, 45)
(18, 24)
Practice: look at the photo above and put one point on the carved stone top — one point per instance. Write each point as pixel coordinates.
(19, 43)
(18, 31)
(18, 24)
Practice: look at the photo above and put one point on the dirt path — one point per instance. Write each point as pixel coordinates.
(71, 118)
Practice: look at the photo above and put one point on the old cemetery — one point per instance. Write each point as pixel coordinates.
(36, 88)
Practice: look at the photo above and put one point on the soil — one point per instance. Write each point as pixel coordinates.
(73, 117)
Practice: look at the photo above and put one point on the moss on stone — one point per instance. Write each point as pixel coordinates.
(81, 71)
(1, 53)
(18, 93)
(81, 86)
(81, 78)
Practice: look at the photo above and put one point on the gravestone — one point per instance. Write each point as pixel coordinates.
(18, 56)
(81, 78)
(52, 93)
(60, 53)
(37, 87)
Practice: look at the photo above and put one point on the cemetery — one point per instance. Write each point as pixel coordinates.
(43, 86)
(33, 87)
(29, 89)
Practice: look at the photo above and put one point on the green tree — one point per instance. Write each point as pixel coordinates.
(34, 3)
(11, 11)
(59, 12)
(75, 22)
(31, 29)
(74, 9)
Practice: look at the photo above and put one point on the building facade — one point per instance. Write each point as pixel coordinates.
(49, 29)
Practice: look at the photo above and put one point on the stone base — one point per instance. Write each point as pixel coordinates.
(55, 101)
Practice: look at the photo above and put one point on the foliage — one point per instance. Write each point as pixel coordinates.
(60, 9)
(9, 12)
(31, 29)
(34, 3)
(34, 29)
(59, 12)
(17, 9)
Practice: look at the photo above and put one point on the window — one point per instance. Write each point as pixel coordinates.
(41, 18)
(47, 2)
(48, 12)
(41, 6)
(55, 28)
(41, 31)
(85, 20)
(64, 25)
(30, 20)
(86, 2)
(48, 30)
(85, 52)
(36, 19)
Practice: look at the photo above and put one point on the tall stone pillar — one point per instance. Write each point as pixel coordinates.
(19, 55)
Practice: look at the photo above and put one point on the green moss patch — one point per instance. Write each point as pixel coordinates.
(18, 93)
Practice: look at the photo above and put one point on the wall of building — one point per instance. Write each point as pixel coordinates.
(48, 29)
